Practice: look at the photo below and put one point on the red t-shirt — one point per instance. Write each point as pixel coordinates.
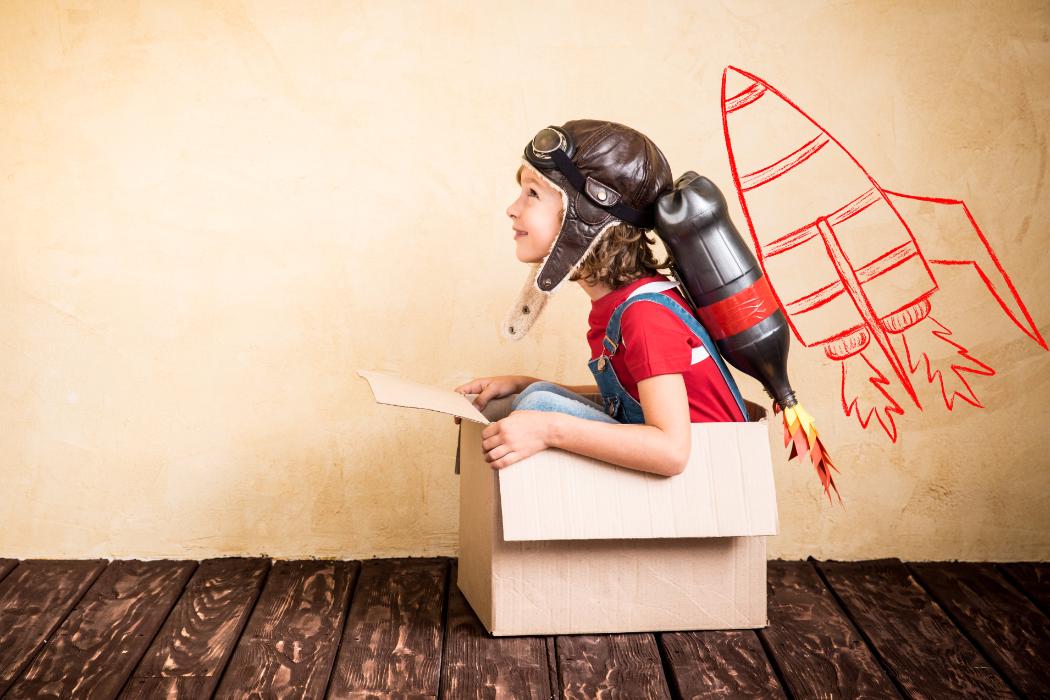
(655, 341)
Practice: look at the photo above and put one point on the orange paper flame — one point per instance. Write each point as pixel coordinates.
(800, 432)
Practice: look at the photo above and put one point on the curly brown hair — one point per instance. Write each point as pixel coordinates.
(621, 256)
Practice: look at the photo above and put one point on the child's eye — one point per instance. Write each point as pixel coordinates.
(532, 193)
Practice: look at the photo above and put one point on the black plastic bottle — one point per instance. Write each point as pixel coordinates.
(721, 276)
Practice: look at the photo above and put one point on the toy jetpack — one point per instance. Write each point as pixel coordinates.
(724, 284)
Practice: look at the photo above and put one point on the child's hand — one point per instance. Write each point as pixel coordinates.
(519, 435)
(488, 388)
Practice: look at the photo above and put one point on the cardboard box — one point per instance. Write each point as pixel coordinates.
(563, 544)
(559, 543)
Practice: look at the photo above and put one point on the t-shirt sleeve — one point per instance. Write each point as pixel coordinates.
(655, 341)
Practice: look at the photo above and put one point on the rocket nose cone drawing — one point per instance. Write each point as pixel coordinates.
(770, 139)
(735, 82)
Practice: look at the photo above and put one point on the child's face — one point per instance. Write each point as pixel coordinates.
(535, 216)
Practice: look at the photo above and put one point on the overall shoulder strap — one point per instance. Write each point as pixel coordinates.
(612, 339)
(651, 287)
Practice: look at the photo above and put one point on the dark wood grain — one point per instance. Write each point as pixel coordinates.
(34, 599)
(1007, 627)
(718, 664)
(610, 665)
(190, 651)
(815, 646)
(917, 642)
(477, 665)
(98, 645)
(289, 644)
(6, 567)
(1033, 579)
(391, 643)
(240, 628)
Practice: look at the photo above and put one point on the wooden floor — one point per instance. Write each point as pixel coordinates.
(235, 628)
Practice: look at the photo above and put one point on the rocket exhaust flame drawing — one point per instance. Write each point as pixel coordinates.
(869, 255)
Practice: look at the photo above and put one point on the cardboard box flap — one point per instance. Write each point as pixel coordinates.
(726, 490)
(396, 391)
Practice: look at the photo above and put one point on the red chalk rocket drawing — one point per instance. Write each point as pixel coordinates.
(869, 255)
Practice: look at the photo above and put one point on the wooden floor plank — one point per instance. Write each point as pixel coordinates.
(392, 640)
(192, 648)
(1007, 627)
(817, 649)
(918, 643)
(1033, 579)
(610, 665)
(477, 665)
(6, 567)
(289, 644)
(98, 645)
(34, 599)
(550, 642)
(718, 664)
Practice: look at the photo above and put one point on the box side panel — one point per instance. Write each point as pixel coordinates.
(477, 526)
(753, 445)
(629, 585)
(757, 610)
(738, 459)
(527, 590)
(726, 490)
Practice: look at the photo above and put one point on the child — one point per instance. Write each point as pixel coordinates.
(588, 190)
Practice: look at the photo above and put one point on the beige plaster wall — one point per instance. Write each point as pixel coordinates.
(212, 214)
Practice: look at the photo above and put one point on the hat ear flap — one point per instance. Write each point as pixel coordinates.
(527, 308)
(593, 245)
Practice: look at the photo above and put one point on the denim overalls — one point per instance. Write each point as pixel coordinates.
(618, 403)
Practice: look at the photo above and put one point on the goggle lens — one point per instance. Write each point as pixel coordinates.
(546, 142)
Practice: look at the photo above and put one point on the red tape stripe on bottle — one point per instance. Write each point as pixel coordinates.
(739, 312)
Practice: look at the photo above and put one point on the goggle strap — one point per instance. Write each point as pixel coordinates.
(620, 210)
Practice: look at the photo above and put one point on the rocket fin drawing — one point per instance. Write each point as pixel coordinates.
(949, 235)
(853, 264)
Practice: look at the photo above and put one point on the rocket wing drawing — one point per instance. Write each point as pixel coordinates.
(853, 264)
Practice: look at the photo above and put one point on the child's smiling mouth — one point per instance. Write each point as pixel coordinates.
(518, 233)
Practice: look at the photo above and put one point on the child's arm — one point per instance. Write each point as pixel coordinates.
(660, 446)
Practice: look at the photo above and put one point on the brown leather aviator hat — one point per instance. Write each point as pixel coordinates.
(607, 174)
